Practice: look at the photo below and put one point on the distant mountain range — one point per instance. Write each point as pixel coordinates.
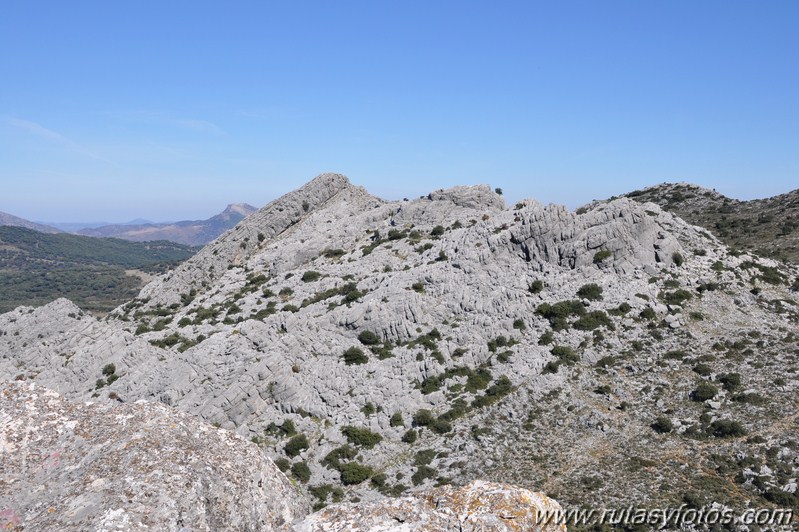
(189, 232)
(74, 227)
(15, 221)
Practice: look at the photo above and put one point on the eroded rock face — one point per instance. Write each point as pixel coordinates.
(484, 506)
(137, 466)
(91, 466)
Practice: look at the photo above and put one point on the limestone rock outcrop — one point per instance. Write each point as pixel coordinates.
(143, 466)
(478, 506)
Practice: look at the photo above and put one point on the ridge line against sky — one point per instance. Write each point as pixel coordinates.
(171, 111)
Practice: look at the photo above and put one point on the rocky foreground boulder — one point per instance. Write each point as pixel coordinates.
(483, 506)
(101, 466)
(104, 466)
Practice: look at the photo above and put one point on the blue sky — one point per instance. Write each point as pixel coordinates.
(171, 110)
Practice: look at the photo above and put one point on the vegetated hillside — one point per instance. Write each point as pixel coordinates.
(768, 227)
(191, 233)
(36, 268)
(609, 357)
(15, 221)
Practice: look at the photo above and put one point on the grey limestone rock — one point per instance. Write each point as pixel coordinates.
(143, 466)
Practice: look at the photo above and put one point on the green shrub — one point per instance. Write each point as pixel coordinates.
(704, 392)
(674, 355)
(749, 398)
(284, 430)
(599, 256)
(354, 355)
(591, 291)
(423, 473)
(565, 354)
(418, 287)
(410, 436)
(310, 276)
(379, 481)
(423, 418)
(594, 320)
(621, 310)
(396, 420)
(677, 259)
(546, 338)
(703, 369)
(333, 459)
(648, 314)
(478, 380)
(730, 381)
(301, 472)
(361, 436)
(663, 425)
(333, 253)
(354, 473)
(677, 297)
(557, 313)
(725, 428)
(296, 445)
(109, 369)
(438, 230)
(282, 464)
(424, 457)
(536, 286)
(497, 391)
(518, 324)
(440, 426)
(606, 362)
(551, 367)
(368, 338)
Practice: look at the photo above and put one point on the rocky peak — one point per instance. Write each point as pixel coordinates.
(472, 197)
(237, 210)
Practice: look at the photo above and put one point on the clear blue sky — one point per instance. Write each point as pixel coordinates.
(170, 110)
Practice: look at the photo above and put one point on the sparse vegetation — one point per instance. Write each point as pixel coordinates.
(354, 355)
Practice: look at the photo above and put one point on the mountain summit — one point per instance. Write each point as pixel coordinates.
(377, 348)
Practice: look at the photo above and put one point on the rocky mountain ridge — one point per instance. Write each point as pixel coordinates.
(189, 232)
(768, 226)
(379, 348)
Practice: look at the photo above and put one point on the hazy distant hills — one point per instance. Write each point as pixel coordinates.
(189, 232)
(96, 273)
(768, 227)
(15, 221)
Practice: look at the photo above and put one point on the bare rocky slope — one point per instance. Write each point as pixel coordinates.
(189, 232)
(16, 221)
(768, 227)
(144, 466)
(608, 357)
